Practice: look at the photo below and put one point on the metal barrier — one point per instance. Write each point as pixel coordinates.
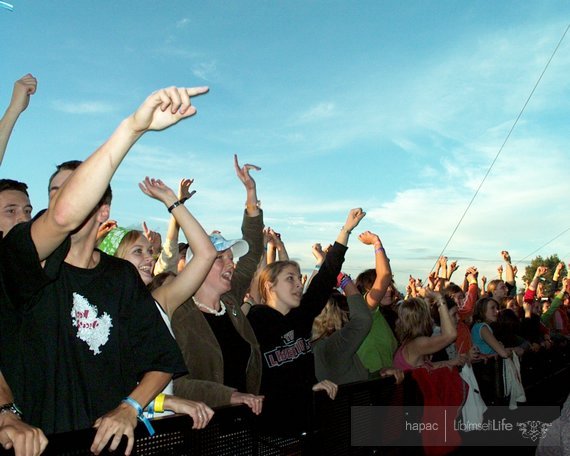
(235, 430)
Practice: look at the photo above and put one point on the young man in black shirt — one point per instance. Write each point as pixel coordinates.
(85, 332)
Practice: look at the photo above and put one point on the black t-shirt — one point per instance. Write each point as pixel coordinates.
(287, 356)
(82, 338)
(235, 350)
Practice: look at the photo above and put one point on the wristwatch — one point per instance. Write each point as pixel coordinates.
(11, 408)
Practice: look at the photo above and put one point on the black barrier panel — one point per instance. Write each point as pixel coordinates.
(235, 430)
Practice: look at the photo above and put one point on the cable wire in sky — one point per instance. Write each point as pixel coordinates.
(543, 245)
(502, 147)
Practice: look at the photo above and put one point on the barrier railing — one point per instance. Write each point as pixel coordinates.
(234, 431)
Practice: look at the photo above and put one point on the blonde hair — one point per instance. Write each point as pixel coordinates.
(333, 317)
(492, 286)
(414, 320)
(269, 274)
(128, 240)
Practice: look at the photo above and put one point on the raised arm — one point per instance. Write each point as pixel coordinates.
(252, 232)
(172, 294)
(319, 254)
(71, 204)
(23, 89)
(320, 288)
(383, 270)
(530, 292)
(168, 258)
(242, 172)
(453, 266)
(422, 345)
(278, 245)
(510, 273)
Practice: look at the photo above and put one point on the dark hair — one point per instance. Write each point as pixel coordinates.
(9, 184)
(365, 280)
(507, 328)
(72, 165)
(159, 279)
(481, 309)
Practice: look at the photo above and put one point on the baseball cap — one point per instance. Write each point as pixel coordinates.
(239, 247)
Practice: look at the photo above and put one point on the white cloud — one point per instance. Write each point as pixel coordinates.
(183, 23)
(321, 111)
(205, 70)
(83, 107)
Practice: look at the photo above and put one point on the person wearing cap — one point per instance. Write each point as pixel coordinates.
(218, 344)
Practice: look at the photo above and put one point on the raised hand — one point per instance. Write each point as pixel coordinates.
(105, 228)
(506, 256)
(184, 193)
(153, 237)
(158, 190)
(318, 253)
(273, 237)
(453, 266)
(354, 218)
(242, 173)
(500, 271)
(164, 108)
(472, 271)
(369, 238)
(540, 271)
(23, 89)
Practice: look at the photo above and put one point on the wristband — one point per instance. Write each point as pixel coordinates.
(253, 207)
(317, 267)
(150, 410)
(349, 232)
(140, 415)
(345, 281)
(159, 403)
(379, 249)
(175, 205)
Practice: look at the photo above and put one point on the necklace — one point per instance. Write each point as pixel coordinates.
(217, 313)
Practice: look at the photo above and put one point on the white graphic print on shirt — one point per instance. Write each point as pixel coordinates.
(290, 350)
(91, 329)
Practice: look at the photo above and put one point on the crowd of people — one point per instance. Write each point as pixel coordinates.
(103, 326)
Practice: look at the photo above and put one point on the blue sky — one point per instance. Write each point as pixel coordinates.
(397, 107)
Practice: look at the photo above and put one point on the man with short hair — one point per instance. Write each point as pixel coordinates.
(15, 206)
(85, 330)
